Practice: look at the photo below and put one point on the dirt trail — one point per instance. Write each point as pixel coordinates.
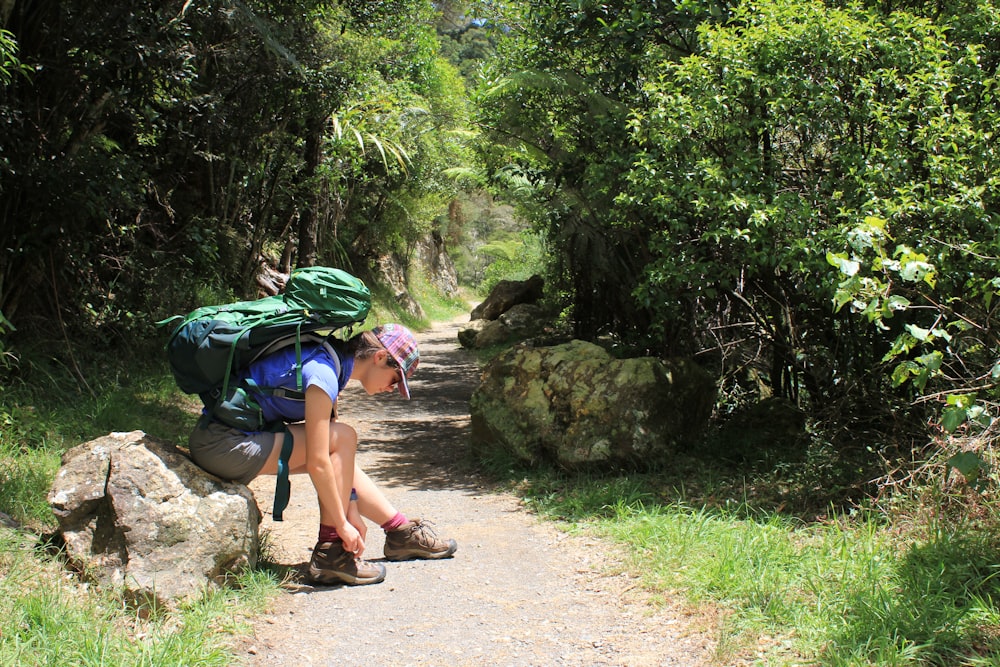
(517, 592)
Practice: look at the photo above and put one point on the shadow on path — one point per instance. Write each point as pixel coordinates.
(422, 443)
(517, 592)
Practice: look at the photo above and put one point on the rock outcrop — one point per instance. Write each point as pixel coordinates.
(136, 514)
(440, 270)
(507, 294)
(392, 272)
(578, 407)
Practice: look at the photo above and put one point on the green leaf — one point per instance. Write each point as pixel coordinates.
(920, 334)
(843, 297)
(931, 361)
(915, 270)
(875, 223)
(952, 417)
(896, 302)
(920, 378)
(902, 372)
(969, 464)
(963, 401)
(840, 260)
(979, 415)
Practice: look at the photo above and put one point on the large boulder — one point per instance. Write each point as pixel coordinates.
(506, 294)
(521, 321)
(494, 332)
(468, 334)
(576, 406)
(137, 515)
(523, 317)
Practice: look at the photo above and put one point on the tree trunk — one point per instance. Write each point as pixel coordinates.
(309, 219)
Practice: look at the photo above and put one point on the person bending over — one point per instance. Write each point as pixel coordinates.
(382, 360)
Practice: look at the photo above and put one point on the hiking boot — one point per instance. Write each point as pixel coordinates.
(332, 564)
(417, 540)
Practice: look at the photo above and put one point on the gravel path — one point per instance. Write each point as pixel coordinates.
(518, 591)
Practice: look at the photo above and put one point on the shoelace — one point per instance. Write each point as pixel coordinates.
(425, 531)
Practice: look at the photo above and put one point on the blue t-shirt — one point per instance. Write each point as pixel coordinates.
(278, 370)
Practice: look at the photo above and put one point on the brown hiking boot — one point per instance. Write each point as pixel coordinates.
(417, 540)
(332, 564)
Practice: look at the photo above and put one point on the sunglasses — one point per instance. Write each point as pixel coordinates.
(392, 363)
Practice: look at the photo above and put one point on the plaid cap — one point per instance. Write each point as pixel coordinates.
(402, 346)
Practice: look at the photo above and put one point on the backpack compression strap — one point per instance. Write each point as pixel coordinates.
(283, 489)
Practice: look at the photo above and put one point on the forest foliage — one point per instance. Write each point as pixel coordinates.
(801, 194)
(182, 144)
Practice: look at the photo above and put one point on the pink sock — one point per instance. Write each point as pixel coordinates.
(395, 522)
(328, 533)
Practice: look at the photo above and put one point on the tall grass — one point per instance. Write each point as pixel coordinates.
(845, 590)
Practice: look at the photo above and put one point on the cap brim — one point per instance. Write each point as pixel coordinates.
(403, 387)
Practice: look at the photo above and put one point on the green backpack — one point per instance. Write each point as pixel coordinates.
(210, 345)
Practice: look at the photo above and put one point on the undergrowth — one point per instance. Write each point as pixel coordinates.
(49, 618)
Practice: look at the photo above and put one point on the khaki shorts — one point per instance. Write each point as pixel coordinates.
(229, 453)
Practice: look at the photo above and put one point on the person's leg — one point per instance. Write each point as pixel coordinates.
(227, 452)
(330, 562)
(372, 503)
(342, 449)
(343, 442)
(405, 539)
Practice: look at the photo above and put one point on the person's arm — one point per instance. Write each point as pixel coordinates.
(330, 466)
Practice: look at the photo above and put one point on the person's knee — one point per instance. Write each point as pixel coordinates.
(343, 438)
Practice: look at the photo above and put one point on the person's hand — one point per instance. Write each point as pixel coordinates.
(352, 539)
(354, 518)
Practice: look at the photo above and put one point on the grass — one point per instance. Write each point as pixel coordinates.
(49, 618)
(436, 306)
(848, 589)
(42, 419)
